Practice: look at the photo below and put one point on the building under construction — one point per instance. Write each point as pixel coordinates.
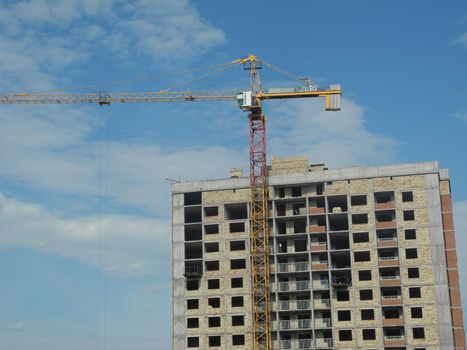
(359, 258)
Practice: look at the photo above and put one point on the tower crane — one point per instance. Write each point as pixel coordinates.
(251, 102)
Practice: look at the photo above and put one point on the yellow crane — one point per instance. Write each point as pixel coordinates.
(249, 100)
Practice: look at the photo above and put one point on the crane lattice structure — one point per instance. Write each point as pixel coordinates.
(251, 102)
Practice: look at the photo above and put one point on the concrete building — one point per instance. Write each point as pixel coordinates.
(361, 258)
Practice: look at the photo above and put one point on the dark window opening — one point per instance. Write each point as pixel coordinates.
(193, 232)
(192, 304)
(238, 339)
(237, 227)
(407, 196)
(343, 315)
(212, 265)
(384, 197)
(238, 320)
(342, 295)
(345, 335)
(214, 302)
(368, 334)
(211, 247)
(300, 245)
(364, 275)
(281, 192)
(211, 211)
(236, 211)
(413, 272)
(367, 314)
(236, 282)
(237, 301)
(237, 245)
(385, 216)
(214, 283)
(192, 342)
(299, 227)
(416, 312)
(358, 219)
(409, 215)
(418, 333)
(193, 250)
(193, 198)
(358, 200)
(192, 214)
(192, 285)
(192, 322)
(214, 340)
(361, 237)
(296, 191)
(366, 294)
(214, 321)
(411, 253)
(391, 313)
(362, 256)
(410, 234)
(237, 264)
(211, 229)
(281, 228)
(415, 292)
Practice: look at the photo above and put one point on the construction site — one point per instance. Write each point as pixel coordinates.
(295, 255)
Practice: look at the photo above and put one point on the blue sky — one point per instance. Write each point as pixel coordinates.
(82, 188)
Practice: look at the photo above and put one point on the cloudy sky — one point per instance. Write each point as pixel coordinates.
(84, 201)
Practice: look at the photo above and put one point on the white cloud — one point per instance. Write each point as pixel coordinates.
(334, 138)
(123, 244)
(461, 39)
(461, 114)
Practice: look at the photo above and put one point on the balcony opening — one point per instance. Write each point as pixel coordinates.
(280, 209)
(385, 216)
(281, 228)
(339, 241)
(338, 222)
(392, 313)
(342, 295)
(211, 247)
(192, 304)
(192, 198)
(361, 237)
(300, 245)
(214, 302)
(341, 279)
(281, 192)
(192, 214)
(299, 209)
(237, 227)
(282, 247)
(193, 250)
(238, 211)
(299, 226)
(340, 260)
(296, 191)
(192, 284)
(211, 229)
(318, 223)
(317, 205)
(193, 232)
(211, 211)
(391, 293)
(359, 219)
(389, 273)
(388, 254)
(393, 332)
(337, 204)
(386, 235)
(358, 200)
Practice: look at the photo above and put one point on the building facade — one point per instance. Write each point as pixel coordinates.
(361, 258)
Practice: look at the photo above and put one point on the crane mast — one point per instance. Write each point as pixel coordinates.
(251, 102)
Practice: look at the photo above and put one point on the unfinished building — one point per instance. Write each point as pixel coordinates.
(360, 258)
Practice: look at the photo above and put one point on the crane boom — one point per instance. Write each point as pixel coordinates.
(251, 102)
